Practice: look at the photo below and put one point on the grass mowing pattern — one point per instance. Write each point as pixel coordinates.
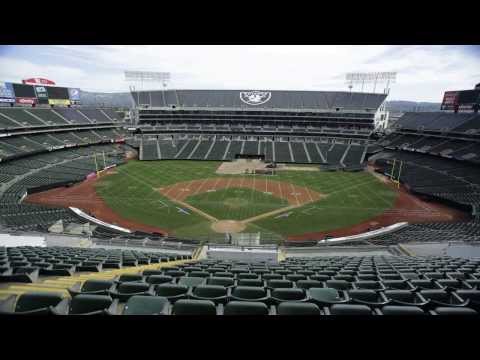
(352, 198)
(236, 203)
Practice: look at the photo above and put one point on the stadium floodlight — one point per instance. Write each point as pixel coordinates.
(372, 77)
(147, 76)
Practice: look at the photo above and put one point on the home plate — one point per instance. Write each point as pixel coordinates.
(211, 190)
(295, 193)
(184, 189)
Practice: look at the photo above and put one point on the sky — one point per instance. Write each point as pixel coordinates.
(423, 72)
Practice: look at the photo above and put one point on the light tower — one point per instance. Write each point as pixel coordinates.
(371, 78)
(140, 77)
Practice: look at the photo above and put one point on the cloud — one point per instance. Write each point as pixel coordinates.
(424, 72)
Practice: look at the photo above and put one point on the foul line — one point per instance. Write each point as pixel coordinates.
(194, 209)
(270, 213)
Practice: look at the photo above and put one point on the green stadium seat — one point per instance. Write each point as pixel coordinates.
(158, 279)
(152, 272)
(400, 310)
(194, 307)
(338, 284)
(441, 298)
(92, 287)
(452, 311)
(368, 297)
(271, 276)
(294, 294)
(405, 298)
(348, 309)
(369, 284)
(251, 308)
(250, 276)
(126, 290)
(38, 303)
(86, 305)
(191, 281)
(223, 281)
(215, 293)
(307, 284)
(326, 296)
(398, 285)
(276, 284)
(298, 308)
(250, 282)
(472, 296)
(425, 284)
(224, 274)
(146, 305)
(175, 273)
(172, 292)
(21, 275)
(250, 293)
(199, 274)
(130, 278)
(321, 278)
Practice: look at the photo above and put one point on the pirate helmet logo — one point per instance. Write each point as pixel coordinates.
(255, 97)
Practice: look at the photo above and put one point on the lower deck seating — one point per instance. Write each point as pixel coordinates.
(448, 179)
(64, 166)
(313, 286)
(431, 232)
(278, 151)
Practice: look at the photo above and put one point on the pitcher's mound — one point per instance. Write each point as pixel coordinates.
(228, 226)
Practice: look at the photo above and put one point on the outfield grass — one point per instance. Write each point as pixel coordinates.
(132, 192)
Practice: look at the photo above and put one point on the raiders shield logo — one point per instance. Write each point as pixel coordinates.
(255, 97)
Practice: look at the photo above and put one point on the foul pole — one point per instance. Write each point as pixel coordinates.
(399, 173)
(393, 170)
(96, 164)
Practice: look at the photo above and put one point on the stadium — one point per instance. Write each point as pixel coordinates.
(237, 202)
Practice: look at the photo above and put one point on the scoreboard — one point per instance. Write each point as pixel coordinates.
(461, 100)
(29, 93)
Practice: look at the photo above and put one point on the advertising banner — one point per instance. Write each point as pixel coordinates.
(7, 100)
(24, 91)
(55, 92)
(74, 94)
(38, 81)
(59, 102)
(42, 94)
(6, 92)
(25, 100)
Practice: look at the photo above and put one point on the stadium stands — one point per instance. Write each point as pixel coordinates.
(280, 130)
(45, 169)
(439, 121)
(40, 150)
(432, 285)
(431, 232)
(297, 151)
(278, 100)
(448, 179)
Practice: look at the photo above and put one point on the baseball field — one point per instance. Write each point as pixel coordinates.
(190, 199)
